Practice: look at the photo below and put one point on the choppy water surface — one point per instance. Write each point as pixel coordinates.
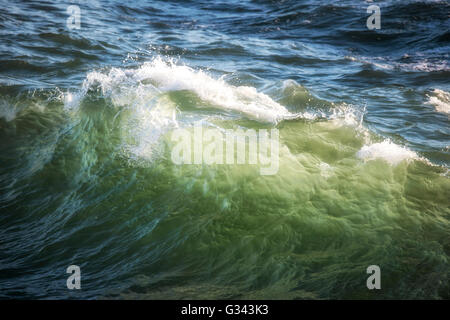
(86, 176)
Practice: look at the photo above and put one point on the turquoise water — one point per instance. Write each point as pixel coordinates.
(86, 176)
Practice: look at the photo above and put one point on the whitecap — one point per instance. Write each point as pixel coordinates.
(440, 99)
(388, 151)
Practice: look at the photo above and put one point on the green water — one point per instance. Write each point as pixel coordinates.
(135, 219)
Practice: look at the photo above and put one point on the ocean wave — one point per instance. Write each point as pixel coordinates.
(388, 151)
(440, 99)
(160, 95)
(161, 76)
(405, 63)
(143, 86)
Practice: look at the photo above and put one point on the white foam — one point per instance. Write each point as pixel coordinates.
(326, 170)
(387, 150)
(440, 99)
(242, 99)
(420, 65)
(159, 76)
(130, 87)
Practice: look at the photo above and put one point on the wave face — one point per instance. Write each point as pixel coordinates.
(86, 177)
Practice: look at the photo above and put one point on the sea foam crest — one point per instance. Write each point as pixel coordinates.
(242, 99)
(387, 150)
(440, 100)
(132, 87)
(143, 91)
